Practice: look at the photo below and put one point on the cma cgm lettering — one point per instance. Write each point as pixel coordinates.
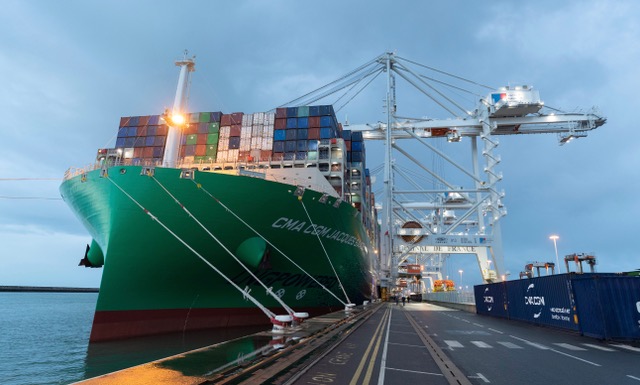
(534, 300)
(297, 225)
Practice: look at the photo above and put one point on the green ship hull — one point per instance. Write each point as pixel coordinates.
(154, 229)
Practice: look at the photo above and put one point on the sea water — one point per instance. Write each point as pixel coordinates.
(44, 339)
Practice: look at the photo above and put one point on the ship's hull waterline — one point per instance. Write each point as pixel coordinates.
(154, 280)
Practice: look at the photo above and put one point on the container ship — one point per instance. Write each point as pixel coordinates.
(211, 220)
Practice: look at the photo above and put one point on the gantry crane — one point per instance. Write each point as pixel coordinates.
(455, 215)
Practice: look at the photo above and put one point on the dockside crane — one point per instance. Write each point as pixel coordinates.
(455, 215)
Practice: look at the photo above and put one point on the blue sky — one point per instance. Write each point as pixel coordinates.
(71, 69)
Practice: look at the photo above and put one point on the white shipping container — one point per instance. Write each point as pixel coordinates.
(247, 119)
(270, 118)
(256, 131)
(223, 143)
(233, 156)
(255, 142)
(245, 144)
(225, 131)
(222, 156)
(267, 131)
(245, 132)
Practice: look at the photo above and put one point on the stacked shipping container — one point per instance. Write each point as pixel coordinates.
(298, 130)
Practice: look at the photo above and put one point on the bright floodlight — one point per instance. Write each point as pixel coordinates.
(177, 119)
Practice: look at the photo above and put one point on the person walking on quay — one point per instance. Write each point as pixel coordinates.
(403, 299)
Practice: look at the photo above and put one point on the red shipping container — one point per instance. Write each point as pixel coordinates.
(244, 156)
(235, 130)
(182, 151)
(143, 121)
(281, 112)
(147, 152)
(314, 122)
(137, 152)
(162, 130)
(347, 144)
(142, 131)
(189, 129)
(202, 139)
(124, 121)
(413, 269)
(201, 150)
(314, 133)
(265, 155)
(280, 124)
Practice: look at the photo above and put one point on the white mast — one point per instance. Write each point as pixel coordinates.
(172, 146)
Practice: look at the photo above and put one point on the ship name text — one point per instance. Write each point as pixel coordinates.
(319, 230)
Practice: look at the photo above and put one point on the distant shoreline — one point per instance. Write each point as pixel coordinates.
(47, 289)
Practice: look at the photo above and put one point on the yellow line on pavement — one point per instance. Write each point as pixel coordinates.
(377, 335)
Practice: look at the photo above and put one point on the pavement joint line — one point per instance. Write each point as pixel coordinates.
(478, 325)
(496, 331)
(407, 345)
(397, 332)
(635, 378)
(569, 346)
(415, 371)
(451, 372)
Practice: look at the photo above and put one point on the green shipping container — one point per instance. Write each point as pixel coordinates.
(212, 150)
(303, 111)
(214, 127)
(212, 138)
(205, 117)
(192, 139)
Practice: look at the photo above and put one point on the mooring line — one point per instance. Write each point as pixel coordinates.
(325, 250)
(199, 186)
(266, 311)
(268, 289)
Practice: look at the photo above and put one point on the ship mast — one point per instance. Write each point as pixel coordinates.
(176, 119)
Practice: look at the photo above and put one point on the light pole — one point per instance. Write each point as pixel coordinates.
(460, 271)
(555, 238)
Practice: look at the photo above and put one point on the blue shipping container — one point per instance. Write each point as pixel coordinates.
(290, 146)
(326, 110)
(357, 146)
(150, 140)
(346, 134)
(234, 142)
(291, 134)
(303, 122)
(120, 142)
(278, 146)
(325, 133)
(543, 301)
(314, 110)
(608, 306)
(356, 136)
(279, 135)
(292, 122)
(491, 299)
(326, 121)
(313, 145)
(154, 120)
(302, 133)
(292, 112)
(301, 145)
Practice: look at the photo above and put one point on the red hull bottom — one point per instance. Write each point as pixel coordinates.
(115, 325)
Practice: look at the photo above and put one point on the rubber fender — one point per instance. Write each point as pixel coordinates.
(252, 251)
